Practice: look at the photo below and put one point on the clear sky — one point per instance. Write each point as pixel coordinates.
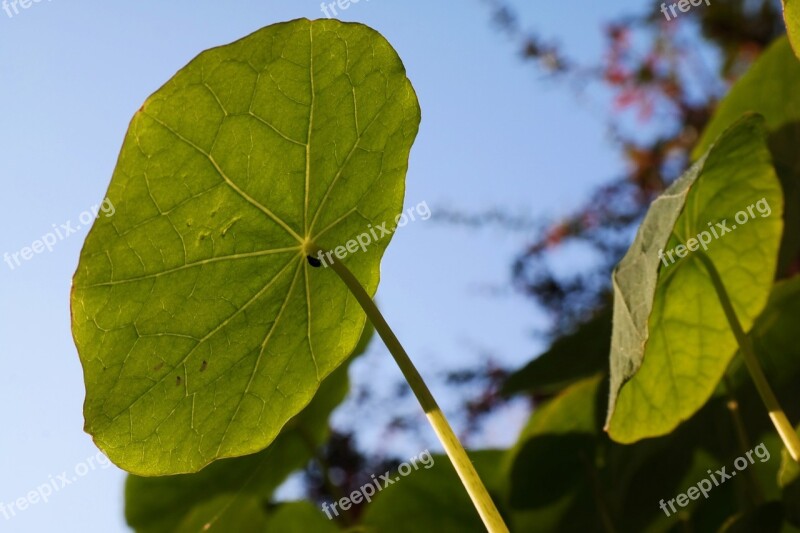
(493, 135)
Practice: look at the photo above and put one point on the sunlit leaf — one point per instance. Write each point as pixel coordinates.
(159, 504)
(201, 326)
(671, 342)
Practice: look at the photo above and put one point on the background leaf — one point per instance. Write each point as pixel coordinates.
(671, 342)
(766, 518)
(557, 445)
(415, 503)
(770, 88)
(225, 512)
(776, 340)
(299, 517)
(571, 358)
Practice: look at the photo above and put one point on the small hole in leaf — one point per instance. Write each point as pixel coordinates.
(313, 261)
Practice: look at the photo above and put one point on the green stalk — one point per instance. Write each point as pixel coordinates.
(755, 496)
(779, 420)
(600, 502)
(452, 446)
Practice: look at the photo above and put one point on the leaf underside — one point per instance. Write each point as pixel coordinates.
(671, 342)
(161, 504)
(200, 325)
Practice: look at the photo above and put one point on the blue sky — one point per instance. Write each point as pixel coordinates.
(493, 135)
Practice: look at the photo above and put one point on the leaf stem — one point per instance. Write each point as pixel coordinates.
(458, 456)
(785, 430)
(755, 497)
(600, 502)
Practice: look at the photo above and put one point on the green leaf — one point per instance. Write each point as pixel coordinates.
(571, 358)
(246, 514)
(299, 517)
(771, 87)
(671, 341)
(677, 463)
(550, 467)
(415, 503)
(776, 340)
(201, 327)
(159, 504)
(225, 512)
(558, 445)
(567, 476)
(791, 14)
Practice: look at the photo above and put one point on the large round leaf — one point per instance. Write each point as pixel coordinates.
(201, 327)
(161, 504)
